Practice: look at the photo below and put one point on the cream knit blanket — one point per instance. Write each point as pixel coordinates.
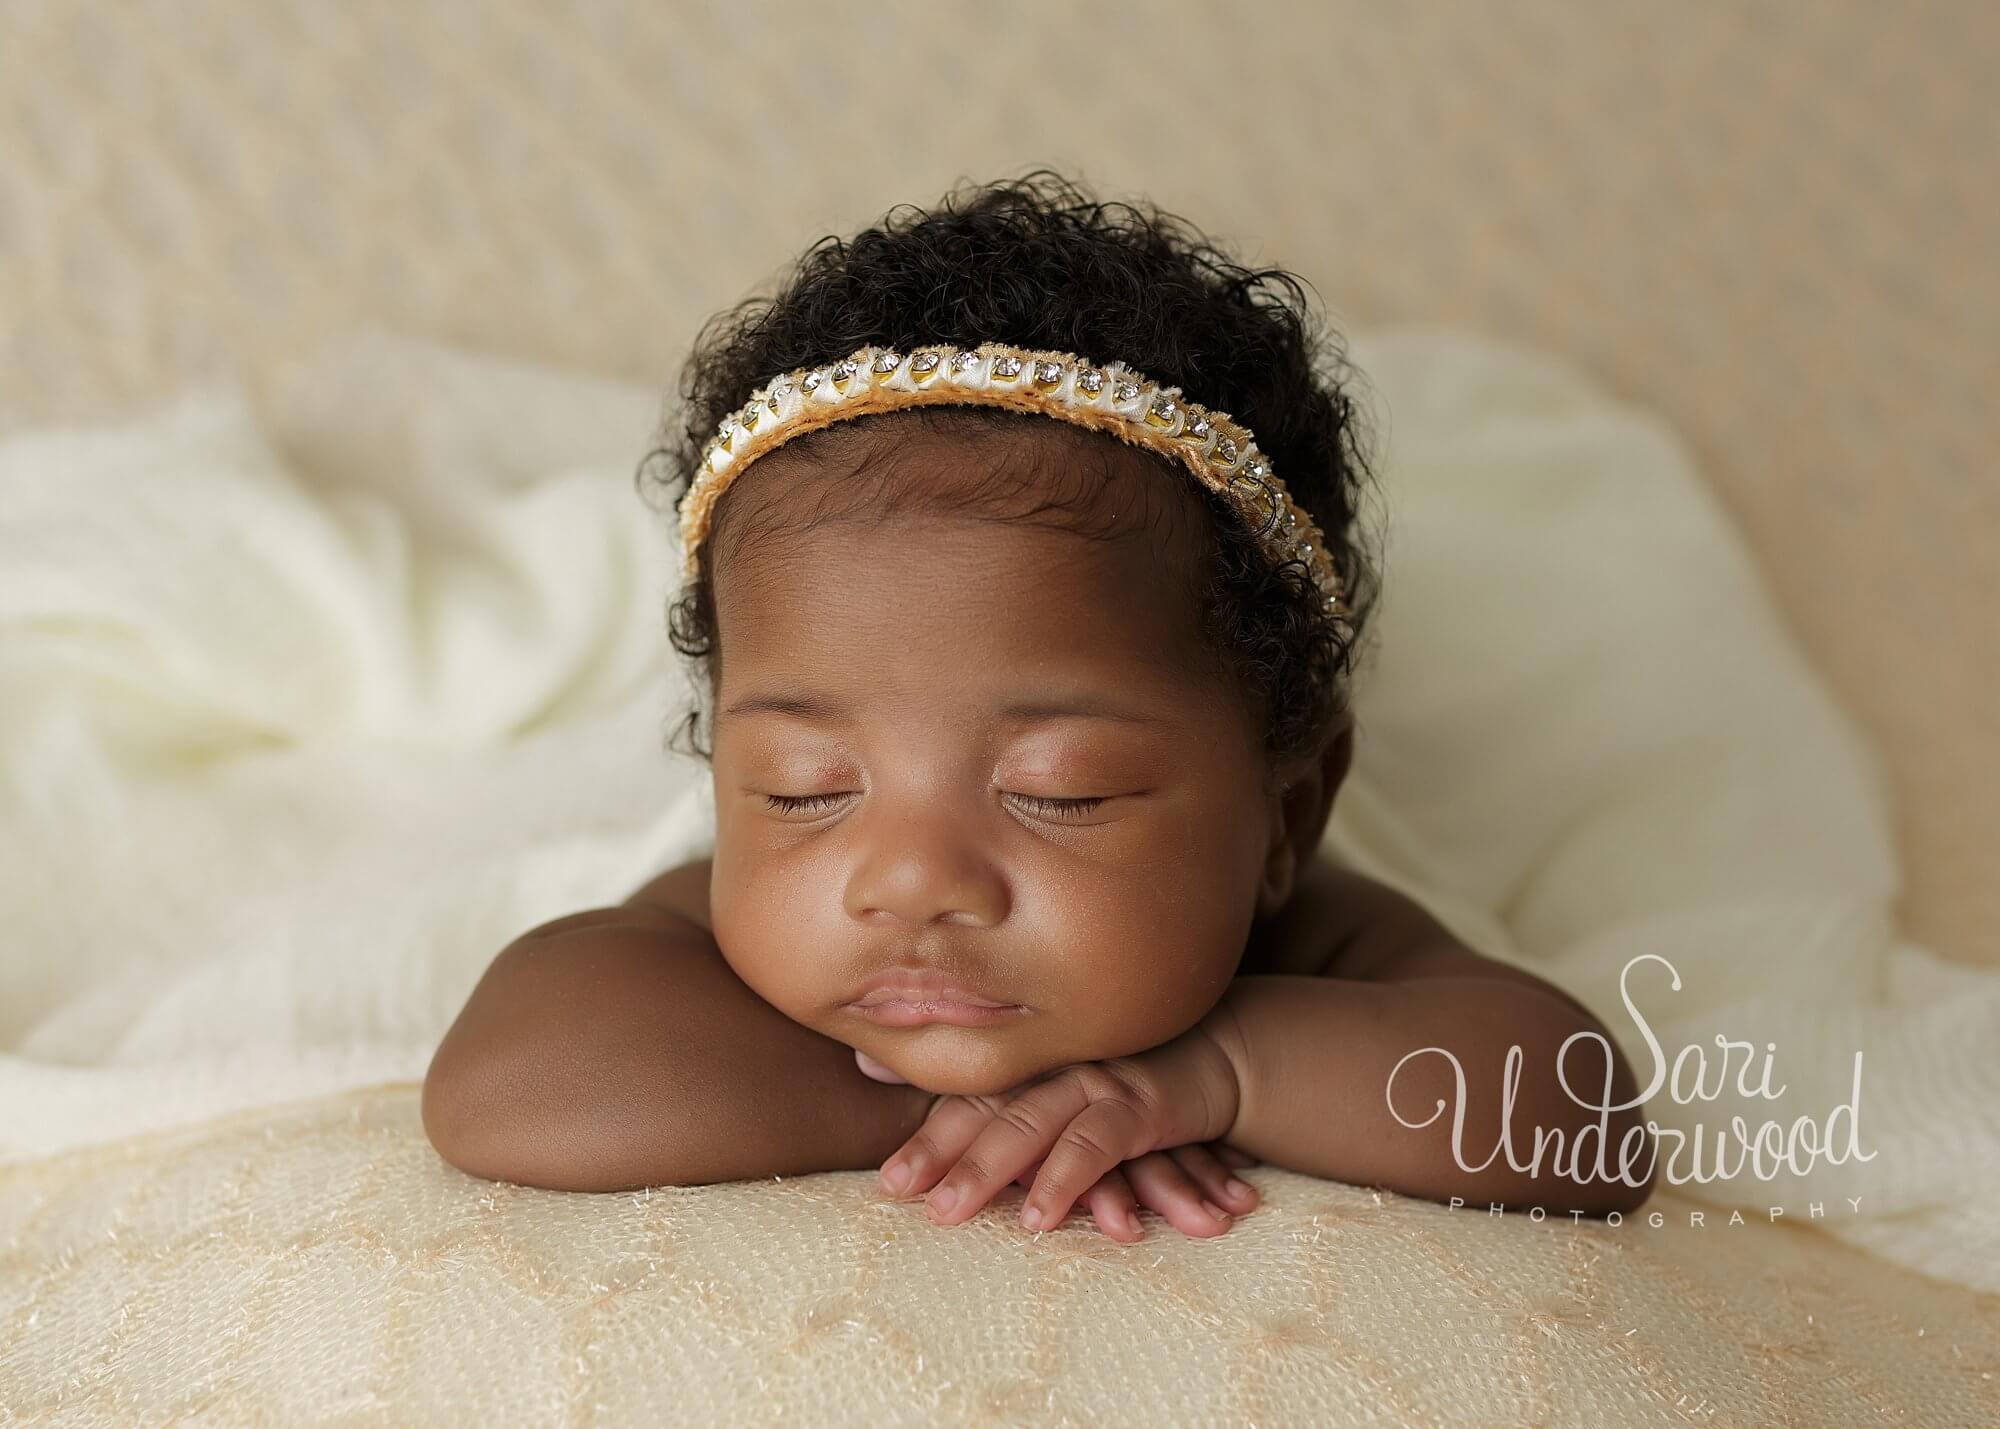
(304, 713)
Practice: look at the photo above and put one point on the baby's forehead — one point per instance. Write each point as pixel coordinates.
(953, 555)
(995, 468)
(892, 651)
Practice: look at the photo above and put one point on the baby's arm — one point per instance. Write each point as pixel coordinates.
(615, 1048)
(1315, 1057)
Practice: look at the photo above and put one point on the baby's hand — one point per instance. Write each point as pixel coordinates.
(1189, 1186)
(1111, 1133)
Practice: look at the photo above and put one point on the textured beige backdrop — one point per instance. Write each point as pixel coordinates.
(315, 1263)
(1772, 223)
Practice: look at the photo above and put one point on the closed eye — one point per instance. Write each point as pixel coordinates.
(1058, 808)
(1054, 808)
(803, 804)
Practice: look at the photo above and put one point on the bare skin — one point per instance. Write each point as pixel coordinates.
(994, 749)
(969, 741)
(908, 822)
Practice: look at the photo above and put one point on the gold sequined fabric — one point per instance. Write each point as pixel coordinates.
(318, 1263)
(1215, 450)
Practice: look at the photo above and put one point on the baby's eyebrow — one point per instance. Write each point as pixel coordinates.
(800, 706)
(823, 709)
(1076, 707)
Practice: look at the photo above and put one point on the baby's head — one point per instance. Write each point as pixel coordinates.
(1002, 697)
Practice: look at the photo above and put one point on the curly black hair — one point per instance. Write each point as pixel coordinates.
(1039, 263)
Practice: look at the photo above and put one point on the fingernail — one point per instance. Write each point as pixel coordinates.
(1236, 1187)
(1032, 1218)
(943, 1199)
(896, 1176)
(1215, 1210)
(1131, 1222)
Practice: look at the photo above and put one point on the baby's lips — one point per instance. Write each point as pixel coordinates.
(874, 1069)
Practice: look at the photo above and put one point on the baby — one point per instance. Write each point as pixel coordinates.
(1023, 574)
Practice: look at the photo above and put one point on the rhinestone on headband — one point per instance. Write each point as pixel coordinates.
(1216, 450)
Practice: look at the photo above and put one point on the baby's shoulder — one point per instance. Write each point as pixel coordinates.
(1340, 922)
(1296, 941)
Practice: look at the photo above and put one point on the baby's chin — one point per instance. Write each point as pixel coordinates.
(958, 1061)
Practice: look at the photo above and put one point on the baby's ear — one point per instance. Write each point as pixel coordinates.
(1334, 762)
(1299, 813)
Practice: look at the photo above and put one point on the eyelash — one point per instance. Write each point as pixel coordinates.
(788, 804)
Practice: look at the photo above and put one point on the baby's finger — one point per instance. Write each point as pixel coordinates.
(1093, 1142)
(1039, 1123)
(1234, 1159)
(1232, 1193)
(915, 1166)
(1160, 1182)
(1110, 1201)
(1114, 1206)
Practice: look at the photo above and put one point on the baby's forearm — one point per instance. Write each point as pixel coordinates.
(608, 1056)
(1318, 1059)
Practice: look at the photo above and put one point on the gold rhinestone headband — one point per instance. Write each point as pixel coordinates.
(1218, 451)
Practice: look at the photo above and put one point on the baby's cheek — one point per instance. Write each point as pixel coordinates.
(761, 943)
(1157, 974)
